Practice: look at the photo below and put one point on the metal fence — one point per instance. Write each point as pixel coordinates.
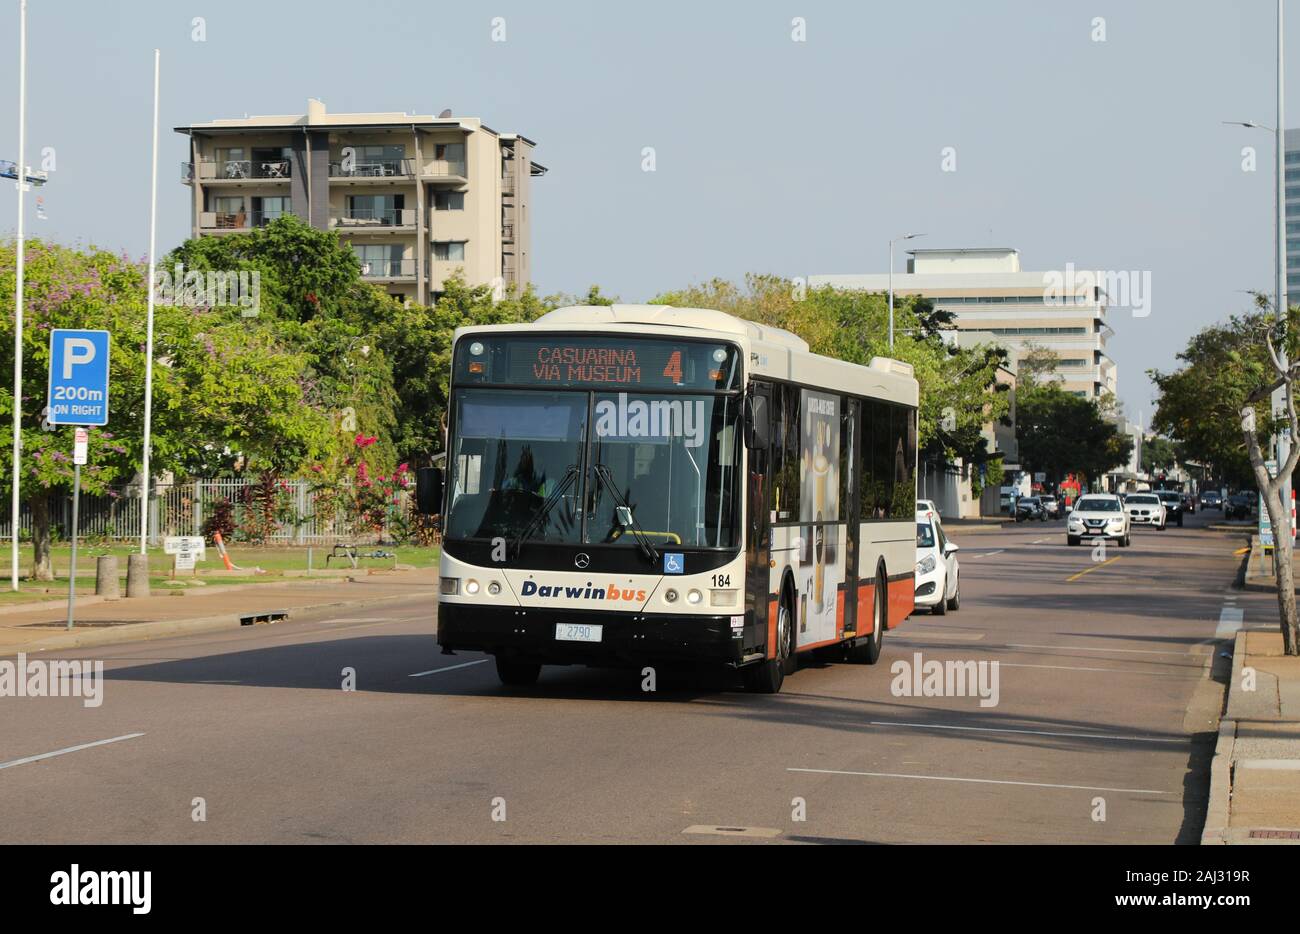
(182, 508)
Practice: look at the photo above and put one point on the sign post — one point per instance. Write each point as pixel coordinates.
(78, 395)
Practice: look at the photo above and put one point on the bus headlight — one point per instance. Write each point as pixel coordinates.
(451, 585)
(471, 586)
(694, 596)
(494, 588)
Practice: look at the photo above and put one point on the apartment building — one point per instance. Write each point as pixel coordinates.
(996, 302)
(417, 197)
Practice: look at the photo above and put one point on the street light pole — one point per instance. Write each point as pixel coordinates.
(148, 363)
(891, 282)
(18, 287)
(1280, 303)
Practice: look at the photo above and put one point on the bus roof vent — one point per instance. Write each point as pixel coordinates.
(888, 365)
(708, 319)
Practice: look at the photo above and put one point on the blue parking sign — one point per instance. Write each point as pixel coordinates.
(78, 393)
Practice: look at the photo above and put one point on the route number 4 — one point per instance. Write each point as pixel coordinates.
(674, 368)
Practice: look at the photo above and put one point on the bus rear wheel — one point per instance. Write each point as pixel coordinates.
(517, 673)
(767, 676)
(867, 651)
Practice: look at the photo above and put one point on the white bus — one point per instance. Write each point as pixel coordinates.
(642, 484)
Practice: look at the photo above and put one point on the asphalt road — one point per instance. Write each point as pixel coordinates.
(1106, 702)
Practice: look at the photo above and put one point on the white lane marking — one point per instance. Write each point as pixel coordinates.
(434, 671)
(63, 752)
(982, 781)
(1230, 618)
(1095, 648)
(1039, 541)
(996, 729)
(989, 554)
(1122, 671)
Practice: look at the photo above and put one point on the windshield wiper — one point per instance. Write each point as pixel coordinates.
(604, 474)
(540, 516)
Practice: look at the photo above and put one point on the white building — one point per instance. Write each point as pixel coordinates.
(996, 302)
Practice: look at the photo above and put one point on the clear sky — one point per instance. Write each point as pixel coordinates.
(772, 155)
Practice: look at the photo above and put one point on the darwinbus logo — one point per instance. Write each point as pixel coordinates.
(578, 592)
(660, 418)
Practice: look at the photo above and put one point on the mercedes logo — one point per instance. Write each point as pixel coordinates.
(582, 560)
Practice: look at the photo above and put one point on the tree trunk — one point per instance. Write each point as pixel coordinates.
(1283, 571)
(42, 567)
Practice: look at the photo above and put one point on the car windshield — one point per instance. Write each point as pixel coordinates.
(1098, 505)
(517, 467)
(1142, 500)
(924, 535)
(1170, 496)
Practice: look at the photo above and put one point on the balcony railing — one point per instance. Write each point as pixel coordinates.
(242, 220)
(388, 268)
(508, 232)
(507, 184)
(236, 169)
(368, 217)
(445, 168)
(385, 168)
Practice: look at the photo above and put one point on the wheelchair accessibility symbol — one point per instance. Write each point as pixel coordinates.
(673, 563)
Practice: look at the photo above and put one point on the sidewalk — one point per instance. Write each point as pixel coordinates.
(100, 622)
(1255, 774)
(1259, 569)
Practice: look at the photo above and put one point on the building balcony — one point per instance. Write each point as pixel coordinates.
(372, 221)
(388, 270)
(236, 170)
(219, 222)
(508, 185)
(508, 232)
(373, 171)
(446, 171)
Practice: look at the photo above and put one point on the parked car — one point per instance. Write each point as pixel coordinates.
(1051, 504)
(1030, 507)
(1211, 499)
(1173, 501)
(1239, 506)
(1145, 509)
(1098, 515)
(938, 575)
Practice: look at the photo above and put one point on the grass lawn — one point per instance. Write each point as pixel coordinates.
(273, 560)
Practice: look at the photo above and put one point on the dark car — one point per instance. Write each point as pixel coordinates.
(1211, 499)
(1030, 507)
(1189, 503)
(1239, 506)
(1173, 501)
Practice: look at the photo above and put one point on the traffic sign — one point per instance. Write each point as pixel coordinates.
(78, 386)
(80, 445)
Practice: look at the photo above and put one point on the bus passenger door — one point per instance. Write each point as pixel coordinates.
(758, 527)
(849, 456)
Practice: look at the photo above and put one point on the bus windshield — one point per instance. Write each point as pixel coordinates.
(661, 466)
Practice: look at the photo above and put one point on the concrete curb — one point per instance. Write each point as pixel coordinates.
(139, 632)
(1215, 830)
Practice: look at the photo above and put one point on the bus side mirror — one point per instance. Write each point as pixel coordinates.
(758, 432)
(428, 490)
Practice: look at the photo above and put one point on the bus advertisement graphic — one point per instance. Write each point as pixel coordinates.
(819, 504)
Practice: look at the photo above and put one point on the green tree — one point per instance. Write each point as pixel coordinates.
(1059, 433)
(1199, 403)
(1158, 454)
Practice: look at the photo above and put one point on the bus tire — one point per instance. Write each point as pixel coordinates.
(867, 651)
(766, 677)
(516, 673)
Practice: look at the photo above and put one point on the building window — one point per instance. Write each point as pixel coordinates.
(449, 200)
(449, 250)
(379, 259)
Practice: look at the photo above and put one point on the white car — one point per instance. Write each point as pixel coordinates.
(938, 576)
(1098, 515)
(1146, 509)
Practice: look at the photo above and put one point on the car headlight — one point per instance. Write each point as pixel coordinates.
(925, 565)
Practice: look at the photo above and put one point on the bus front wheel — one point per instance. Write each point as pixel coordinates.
(516, 673)
(766, 676)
